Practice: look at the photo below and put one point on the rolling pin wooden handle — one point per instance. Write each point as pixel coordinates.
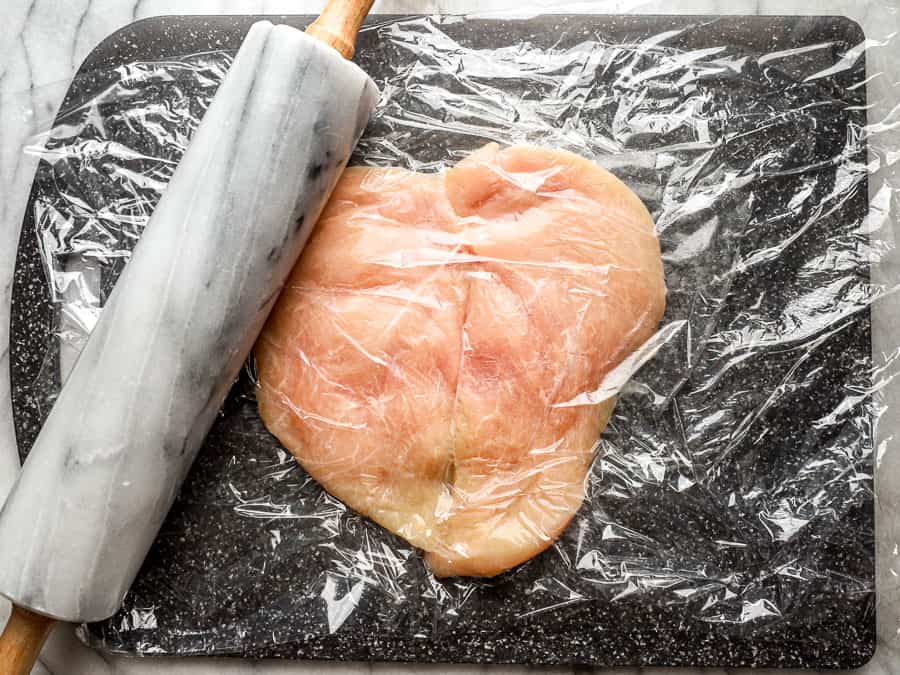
(338, 24)
(22, 640)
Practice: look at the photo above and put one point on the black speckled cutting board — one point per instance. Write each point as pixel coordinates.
(211, 568)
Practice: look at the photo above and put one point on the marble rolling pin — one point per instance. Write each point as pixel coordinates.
(180, 322)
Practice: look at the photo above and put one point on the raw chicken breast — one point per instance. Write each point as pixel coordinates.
(425, 361)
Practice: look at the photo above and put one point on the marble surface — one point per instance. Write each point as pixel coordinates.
(42, 42)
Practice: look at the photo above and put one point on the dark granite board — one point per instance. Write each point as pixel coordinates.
(836, 630)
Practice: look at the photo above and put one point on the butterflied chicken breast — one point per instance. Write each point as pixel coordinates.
(427, 360)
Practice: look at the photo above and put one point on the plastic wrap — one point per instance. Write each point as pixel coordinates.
(729, 501)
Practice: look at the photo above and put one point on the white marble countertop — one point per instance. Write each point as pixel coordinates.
(42, 43)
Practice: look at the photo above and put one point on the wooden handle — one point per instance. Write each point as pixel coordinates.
(22, 640)
(338, 24)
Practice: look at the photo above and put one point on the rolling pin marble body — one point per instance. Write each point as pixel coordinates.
(179, 323)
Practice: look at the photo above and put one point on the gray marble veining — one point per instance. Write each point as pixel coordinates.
(179, 324)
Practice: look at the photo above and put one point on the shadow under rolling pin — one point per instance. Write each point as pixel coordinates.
(179, 324)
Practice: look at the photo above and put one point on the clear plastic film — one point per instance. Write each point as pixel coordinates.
(476, 297)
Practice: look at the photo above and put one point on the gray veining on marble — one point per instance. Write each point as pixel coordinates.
(179, 324)
(42, 42)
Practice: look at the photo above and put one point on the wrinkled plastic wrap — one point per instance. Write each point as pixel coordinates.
(727, 508)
